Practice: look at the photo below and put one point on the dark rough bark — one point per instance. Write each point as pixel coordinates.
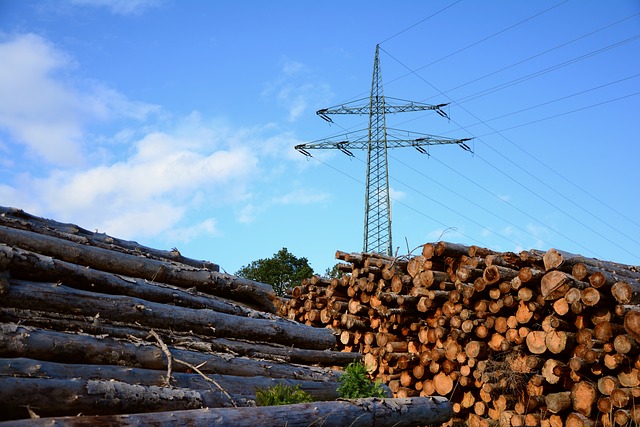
(53, 297)
(186, 340)
(29, 265)
(17, 218)
(60, 397)
(399, 412)
(19, 341)
(240, 388)
(181, 275)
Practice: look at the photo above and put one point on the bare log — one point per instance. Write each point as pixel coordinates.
(558, 402)
(53, 297)
(398, 412)
(556, 283)
(561, 260)
(583, 396)
(632, 324)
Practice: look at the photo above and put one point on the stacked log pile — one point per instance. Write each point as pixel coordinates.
(531, 339)
(94, 325)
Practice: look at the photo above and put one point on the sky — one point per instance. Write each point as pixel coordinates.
(172, 123)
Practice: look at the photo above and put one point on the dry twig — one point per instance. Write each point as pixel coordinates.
(166, 352)
(206, 378)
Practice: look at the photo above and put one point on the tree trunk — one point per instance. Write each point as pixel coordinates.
(399, 412)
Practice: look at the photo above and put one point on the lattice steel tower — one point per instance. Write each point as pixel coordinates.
(377, 213)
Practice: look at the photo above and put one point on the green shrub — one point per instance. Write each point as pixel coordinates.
(355, 383)
(281, 394)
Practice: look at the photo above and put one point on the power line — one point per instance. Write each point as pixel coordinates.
(420, 22)
(481, 40)
(543, 53)
(545, 71)
(519, 166)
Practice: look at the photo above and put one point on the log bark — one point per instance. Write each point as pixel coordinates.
(59, 397)
(558, 402)
(240, 388)
(17, 218)
(189, 340)
(180, 275)
(53, 297)
(398, 412)
(29, 265)
(19, 341)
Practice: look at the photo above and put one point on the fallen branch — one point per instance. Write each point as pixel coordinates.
(167, 353)
(206, 378)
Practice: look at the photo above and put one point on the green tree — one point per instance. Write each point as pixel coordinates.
(334, 272)
(282, 271)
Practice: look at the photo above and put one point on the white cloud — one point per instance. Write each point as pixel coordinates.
(296, 89)
(146, 194)
(247, 214)
(208, 227)
(44, 109)
(301, 197)
(396, 194)
(35, 108)
(120, 7)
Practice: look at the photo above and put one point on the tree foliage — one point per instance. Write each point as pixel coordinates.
(281, 394)
(355, 383)
(334, 272)
(282, 271)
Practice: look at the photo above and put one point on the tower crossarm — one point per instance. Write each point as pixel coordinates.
(389, 108)
(362, 144)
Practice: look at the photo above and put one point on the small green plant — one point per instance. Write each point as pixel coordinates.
(355, 383)
(281, 394)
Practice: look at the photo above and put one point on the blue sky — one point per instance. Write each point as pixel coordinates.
(173, 123)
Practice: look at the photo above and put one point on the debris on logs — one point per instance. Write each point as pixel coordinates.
(532, 339)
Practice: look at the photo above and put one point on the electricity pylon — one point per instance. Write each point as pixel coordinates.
(377, 219)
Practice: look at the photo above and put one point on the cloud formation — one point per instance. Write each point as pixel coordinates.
(120, 7)
(45, 110)
(295, 90)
